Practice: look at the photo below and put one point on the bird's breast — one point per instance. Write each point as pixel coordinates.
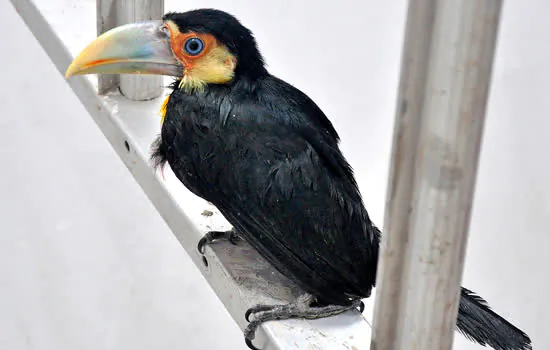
(194, 150)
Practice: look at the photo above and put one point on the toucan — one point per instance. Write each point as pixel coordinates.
(268, 158)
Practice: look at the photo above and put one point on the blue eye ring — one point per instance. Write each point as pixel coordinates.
(194, 46)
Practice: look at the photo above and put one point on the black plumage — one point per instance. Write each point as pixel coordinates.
(268, 158)
(278, 178)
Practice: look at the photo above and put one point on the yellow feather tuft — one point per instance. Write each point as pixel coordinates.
(190, 83)
(162, 111)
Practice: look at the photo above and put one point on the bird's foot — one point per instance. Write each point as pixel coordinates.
(212, 236)
(302, 308)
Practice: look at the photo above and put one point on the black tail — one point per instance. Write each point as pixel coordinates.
(479, 323)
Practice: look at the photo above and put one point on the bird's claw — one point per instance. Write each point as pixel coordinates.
(250, 345)
(212, 236)
(256, 309)
(201, 244)
(300, 309)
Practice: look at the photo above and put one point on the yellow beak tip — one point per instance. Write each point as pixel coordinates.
(70, 71)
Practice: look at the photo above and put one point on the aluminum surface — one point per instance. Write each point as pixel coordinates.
(446, 74)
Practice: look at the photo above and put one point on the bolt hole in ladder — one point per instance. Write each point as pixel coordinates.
(445, 77)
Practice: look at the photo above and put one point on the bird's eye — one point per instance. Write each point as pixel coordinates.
(194, 46)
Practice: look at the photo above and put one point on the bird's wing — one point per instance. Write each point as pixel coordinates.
(282, 189)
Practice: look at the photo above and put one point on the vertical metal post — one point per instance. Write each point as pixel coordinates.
(112, 13)
(106, 20)
(445, 78)
(140, 87)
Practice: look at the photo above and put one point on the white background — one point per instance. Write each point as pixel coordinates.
(87, 263)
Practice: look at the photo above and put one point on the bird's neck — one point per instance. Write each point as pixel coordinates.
(242, 83)
(252, 71)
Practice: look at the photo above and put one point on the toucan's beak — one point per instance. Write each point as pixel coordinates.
(138, 48)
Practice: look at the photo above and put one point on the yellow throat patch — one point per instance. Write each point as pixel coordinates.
(217, 66)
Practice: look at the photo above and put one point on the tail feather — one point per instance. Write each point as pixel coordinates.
(480, 324)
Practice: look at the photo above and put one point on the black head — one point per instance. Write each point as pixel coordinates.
(229, 32)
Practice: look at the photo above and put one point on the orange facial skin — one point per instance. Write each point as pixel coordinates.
(214, 64)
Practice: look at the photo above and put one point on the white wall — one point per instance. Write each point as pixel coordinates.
(87, 263)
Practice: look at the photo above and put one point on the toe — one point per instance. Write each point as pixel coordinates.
(250, 345)
(256, 309)
(247, 314)
(201, 244)
(361, 307)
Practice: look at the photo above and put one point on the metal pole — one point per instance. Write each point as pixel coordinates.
(446, 70)
(106, 20)
(112, 13)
